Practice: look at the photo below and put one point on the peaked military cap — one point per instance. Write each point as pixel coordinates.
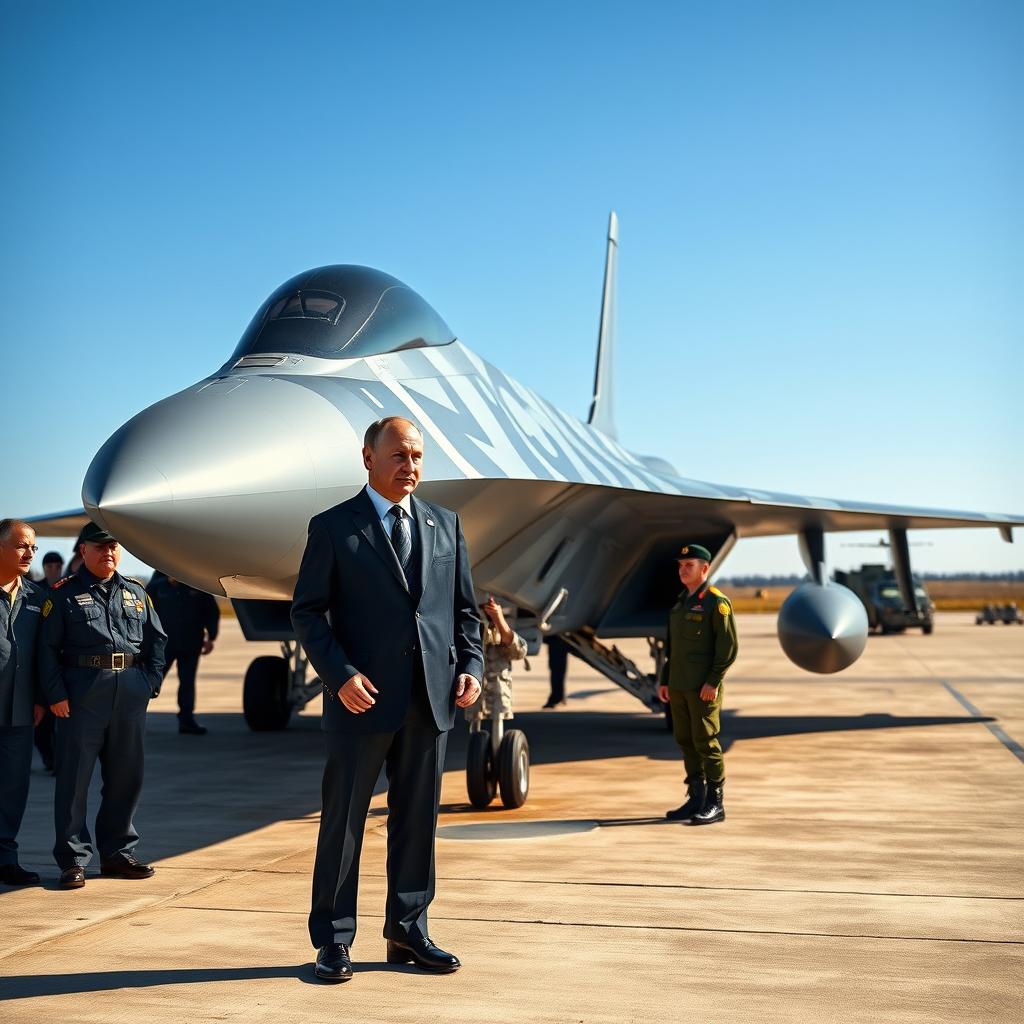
(95, 534)
(694, 551)
(53, 556)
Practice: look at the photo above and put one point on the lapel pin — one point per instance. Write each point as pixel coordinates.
(430, 522)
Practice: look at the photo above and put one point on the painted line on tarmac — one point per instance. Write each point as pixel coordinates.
(1007, 741)
(630, 927)
(732, 931)
(724, 888)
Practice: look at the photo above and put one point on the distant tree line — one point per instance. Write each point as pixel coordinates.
(758, 580)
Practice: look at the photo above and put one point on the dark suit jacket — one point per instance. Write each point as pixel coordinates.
(353, 612)
(19, 684)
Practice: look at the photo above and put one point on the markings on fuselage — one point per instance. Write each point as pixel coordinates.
(419, 414)
(372, 398)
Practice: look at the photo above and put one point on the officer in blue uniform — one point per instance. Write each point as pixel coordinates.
(101, 661)
(20, 614)
(190, 619)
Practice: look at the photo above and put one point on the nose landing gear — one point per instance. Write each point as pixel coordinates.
(497, 761)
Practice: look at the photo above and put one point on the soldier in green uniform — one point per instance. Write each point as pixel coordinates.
(699, 647)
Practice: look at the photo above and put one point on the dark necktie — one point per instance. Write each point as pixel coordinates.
(401, 540)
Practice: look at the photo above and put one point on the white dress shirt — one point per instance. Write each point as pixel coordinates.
(383, 507)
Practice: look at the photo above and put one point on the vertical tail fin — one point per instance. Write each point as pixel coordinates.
(601, 409)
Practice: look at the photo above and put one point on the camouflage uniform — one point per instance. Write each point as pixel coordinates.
(496, 691)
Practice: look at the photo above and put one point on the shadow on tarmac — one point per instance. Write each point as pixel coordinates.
(201, 791)
(29, 986)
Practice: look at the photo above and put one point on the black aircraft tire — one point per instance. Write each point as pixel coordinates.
(514, 768)
(927, 628)
(263, 695)
(481, 784)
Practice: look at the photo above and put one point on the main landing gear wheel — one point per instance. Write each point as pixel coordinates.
(264, 695)
(481, 781)
(514, 768)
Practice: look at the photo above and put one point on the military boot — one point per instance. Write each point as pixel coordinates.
(713, 809)
(697, 790)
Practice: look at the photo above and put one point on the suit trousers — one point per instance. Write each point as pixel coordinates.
(15, 768)
(413, 758)
(188, 665)
(111, 730)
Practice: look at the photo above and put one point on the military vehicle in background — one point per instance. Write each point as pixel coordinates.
(889, 609)
(1007, 614)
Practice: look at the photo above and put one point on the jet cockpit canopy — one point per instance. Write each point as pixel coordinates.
(342, 312)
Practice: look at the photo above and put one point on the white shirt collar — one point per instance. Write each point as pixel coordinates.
(383, 505)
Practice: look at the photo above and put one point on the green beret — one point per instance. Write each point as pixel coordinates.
(694, 551)
(95, 534)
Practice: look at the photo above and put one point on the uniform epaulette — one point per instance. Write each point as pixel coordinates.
(60, 583)
(132, 579)
(724, 604)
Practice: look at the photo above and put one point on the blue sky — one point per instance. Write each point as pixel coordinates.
(821, 280)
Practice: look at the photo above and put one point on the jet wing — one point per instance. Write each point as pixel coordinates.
(613, 549)
(59, 524)
(763, 513)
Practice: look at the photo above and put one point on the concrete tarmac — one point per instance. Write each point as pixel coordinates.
(870, 868)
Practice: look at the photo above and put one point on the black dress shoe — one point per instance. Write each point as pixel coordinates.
(333, 962)
(72, 877)
(15, 874)
(552, 703)
(424, 954)
(191, 729)
(124, 865)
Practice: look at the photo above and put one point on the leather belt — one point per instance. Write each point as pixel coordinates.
(116, 662)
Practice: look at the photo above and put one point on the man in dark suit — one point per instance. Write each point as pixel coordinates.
(21, 604)
(384, 609)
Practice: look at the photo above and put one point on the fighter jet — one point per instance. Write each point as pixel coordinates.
(562, 522)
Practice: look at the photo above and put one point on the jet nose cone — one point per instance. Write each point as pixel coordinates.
(823, 629)
(131, 484)
(221, 480)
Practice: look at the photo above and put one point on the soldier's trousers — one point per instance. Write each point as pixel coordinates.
(696, 724)
(188, 665)
(108, 724)
(15, 768)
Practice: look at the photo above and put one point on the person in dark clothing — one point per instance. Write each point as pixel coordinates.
(191, 619)
(53, 571)
(101, 661)
(558, 662)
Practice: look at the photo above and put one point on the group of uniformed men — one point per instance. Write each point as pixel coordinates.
(90, 649)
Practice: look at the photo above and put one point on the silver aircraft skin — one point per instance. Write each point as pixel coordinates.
(215, 485)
